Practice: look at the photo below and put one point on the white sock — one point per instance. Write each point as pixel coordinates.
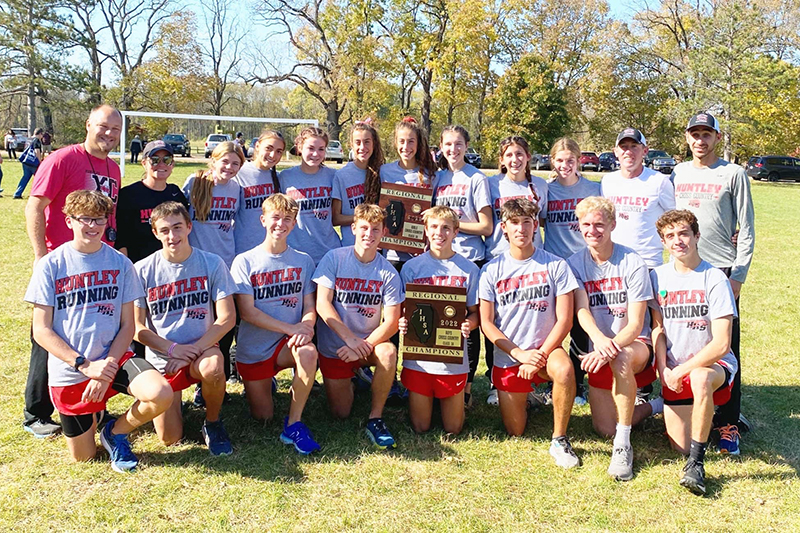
(657, 404)
(622, 437)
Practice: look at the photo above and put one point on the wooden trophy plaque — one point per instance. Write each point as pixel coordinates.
(404, 205)
(434, 317)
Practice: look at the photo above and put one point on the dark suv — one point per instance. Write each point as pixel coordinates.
(179, 143)
(608, 161)
(774, 168)
(654, 154)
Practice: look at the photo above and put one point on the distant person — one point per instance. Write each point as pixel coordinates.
(75, 167)
(11, 144)
(47, 143)
(1, 175)
(239, 139)
(718, 193)
(31, 164)
(136, 148)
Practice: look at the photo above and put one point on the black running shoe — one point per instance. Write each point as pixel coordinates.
(694, 477)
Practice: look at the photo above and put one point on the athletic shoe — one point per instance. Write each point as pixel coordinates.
(621, 467)
(42, 428)
(274, 385)
(643, 394)
(561, 450)
(217, 438)
(122, 458)
(298, 435)
(580, 396)
(744, 424)
(729, 440)
(397, 395)
(492, 399)
(694, 477)
(363, 378)
(17, 197)
(467, 400)
(377, 433)
(534, 400)
(547, 394)
(199, 401)
(233, 380)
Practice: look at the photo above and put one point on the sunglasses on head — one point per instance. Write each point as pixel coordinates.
(166, 159)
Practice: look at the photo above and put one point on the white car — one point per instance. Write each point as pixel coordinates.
(334, 151)
(214, 139)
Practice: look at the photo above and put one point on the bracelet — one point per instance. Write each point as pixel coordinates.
(169, 352)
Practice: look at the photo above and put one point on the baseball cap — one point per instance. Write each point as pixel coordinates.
(155, 146)
(703, 119)
(631, 133)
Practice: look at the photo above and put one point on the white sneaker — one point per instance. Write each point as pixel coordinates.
(561, 450)
(621, 467)
(492, 399)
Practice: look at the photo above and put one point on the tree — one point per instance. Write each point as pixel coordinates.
(222, 49)
(528, 103)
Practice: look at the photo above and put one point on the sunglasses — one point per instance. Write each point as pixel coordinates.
(166, 159)
(88, 221)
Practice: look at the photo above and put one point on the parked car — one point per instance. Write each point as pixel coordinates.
(774, 168)
(608, 161)
(214, 139)
(652, 154)
(590, 160)
(21, 138)
(334, 151)
(540, 161)
(473, 158)
(663, 164)
(179, 142)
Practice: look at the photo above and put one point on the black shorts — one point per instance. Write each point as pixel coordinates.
(76, 425)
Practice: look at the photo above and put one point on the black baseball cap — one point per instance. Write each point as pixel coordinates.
(155, 146)
(703, 119)
(631, 133)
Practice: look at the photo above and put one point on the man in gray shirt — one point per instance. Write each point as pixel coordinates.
(718, 193)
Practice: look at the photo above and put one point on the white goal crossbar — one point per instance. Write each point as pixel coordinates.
(125, 114)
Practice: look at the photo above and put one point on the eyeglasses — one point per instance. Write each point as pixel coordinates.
(88, 221)
(166, 159)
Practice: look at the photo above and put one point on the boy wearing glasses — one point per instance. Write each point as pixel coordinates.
(83, 294)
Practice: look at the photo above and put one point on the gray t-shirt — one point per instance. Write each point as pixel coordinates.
(348, 188)
(215, 235)
(179, 297)
(688, 303)
(562, 234)
(611, 285)
(466, 192)
(86, 292)
(278, 284)
(255, 186)
(394, 173)
(361, 290)
(453, 272)
(524, 296)
(720, 198)
(314, 233)
(639, 202)
(502, 188)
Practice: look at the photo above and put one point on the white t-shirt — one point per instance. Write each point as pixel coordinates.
(688, 303)
(562, 234)
(255, 186)
(348, 188)
(361, 290)
(640, 201)
(215, 234)
(502, 189)
(453, 272)
(611, 285)
(180, 297)
(86, 292)
(466, 192)
(314, 233)
(278, 284)
(524, 296)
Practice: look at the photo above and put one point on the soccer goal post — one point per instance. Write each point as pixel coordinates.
(123, 142)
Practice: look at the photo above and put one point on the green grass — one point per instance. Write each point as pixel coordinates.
(478, 481)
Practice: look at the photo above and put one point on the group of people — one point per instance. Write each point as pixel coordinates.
(243, 244)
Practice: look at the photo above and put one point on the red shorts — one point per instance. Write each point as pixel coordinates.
(182, 379)
(67, 400)
(335, 368)
(433, 385)
(604, 378)
(263, 369)
(685, 397)
(507, 380)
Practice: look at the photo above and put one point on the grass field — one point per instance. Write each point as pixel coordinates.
(481, 480)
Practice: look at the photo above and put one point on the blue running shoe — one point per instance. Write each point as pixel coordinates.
(729, 440)
(363, 378)
(198, 400)
(274, 385)
(379, 435)
(217, 438)
(299, 435)
(122, 458)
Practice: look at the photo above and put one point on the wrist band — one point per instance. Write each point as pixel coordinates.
(169, 352)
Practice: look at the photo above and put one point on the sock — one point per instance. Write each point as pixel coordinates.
(697, 451)
(622, 437)
(657, 404)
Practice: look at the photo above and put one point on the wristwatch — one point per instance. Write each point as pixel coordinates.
(78, 362)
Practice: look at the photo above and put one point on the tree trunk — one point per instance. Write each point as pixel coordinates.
(427, 81)
(332, 119)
